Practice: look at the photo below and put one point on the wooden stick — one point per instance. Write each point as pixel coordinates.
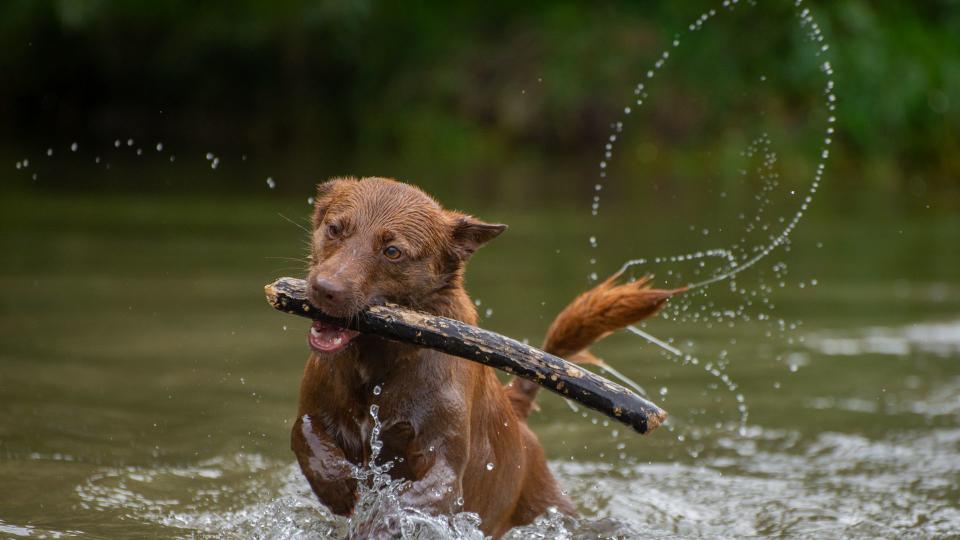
(459, 339)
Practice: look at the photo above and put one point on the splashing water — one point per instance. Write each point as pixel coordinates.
(724, 263)
(228, 501)
(123, 149)
(379, 507)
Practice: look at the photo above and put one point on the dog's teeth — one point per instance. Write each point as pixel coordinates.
(338, 341)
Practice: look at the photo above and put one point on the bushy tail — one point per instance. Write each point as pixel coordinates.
(591, 317)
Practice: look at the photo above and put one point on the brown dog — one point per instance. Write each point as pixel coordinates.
(462, 435)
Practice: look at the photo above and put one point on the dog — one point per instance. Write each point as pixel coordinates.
(454, 431)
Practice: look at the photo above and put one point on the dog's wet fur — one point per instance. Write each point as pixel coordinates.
(444, 419)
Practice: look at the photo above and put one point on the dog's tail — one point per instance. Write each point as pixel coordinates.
(591, 317)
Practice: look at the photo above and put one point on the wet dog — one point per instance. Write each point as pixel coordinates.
(457, 434)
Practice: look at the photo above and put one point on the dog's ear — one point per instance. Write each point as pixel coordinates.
(326, 193)
(469, 233)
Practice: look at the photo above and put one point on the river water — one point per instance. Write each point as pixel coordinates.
(146, 388)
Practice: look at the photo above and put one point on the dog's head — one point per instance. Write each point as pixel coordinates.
(377, 240)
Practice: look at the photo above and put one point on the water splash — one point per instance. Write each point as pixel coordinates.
(250, 496)
(121, 150)
(724, 263)
(380, 508)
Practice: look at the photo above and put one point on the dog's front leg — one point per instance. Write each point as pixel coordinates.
(324, 465)
(438, 471)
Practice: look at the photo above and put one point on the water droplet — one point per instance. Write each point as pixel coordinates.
(489, 466)
(377, 390)
(270, 183)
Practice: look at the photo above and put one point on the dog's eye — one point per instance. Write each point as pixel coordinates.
(392, 252)
(333, 230)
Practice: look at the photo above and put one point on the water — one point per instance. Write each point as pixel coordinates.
(147, 388)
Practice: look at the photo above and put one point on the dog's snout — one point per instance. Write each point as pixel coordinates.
(329, 290)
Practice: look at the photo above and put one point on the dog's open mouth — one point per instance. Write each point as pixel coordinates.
(329, 338)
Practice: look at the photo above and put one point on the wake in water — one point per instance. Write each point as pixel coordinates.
(249, 496)
(238, 482)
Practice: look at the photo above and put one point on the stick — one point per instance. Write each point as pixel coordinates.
(459, 339)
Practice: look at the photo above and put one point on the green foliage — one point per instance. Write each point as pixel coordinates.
(491, 100)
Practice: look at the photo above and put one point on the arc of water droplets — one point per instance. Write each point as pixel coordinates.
(733, 267)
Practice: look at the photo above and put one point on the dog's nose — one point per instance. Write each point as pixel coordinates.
(328, 290)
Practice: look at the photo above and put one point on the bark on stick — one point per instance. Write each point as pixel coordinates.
(490, 348)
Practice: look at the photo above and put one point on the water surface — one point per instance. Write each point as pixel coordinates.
(148, 390)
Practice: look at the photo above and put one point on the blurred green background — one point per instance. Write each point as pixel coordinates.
(491, 102)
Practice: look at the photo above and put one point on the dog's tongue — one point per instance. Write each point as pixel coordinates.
(329, 338)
